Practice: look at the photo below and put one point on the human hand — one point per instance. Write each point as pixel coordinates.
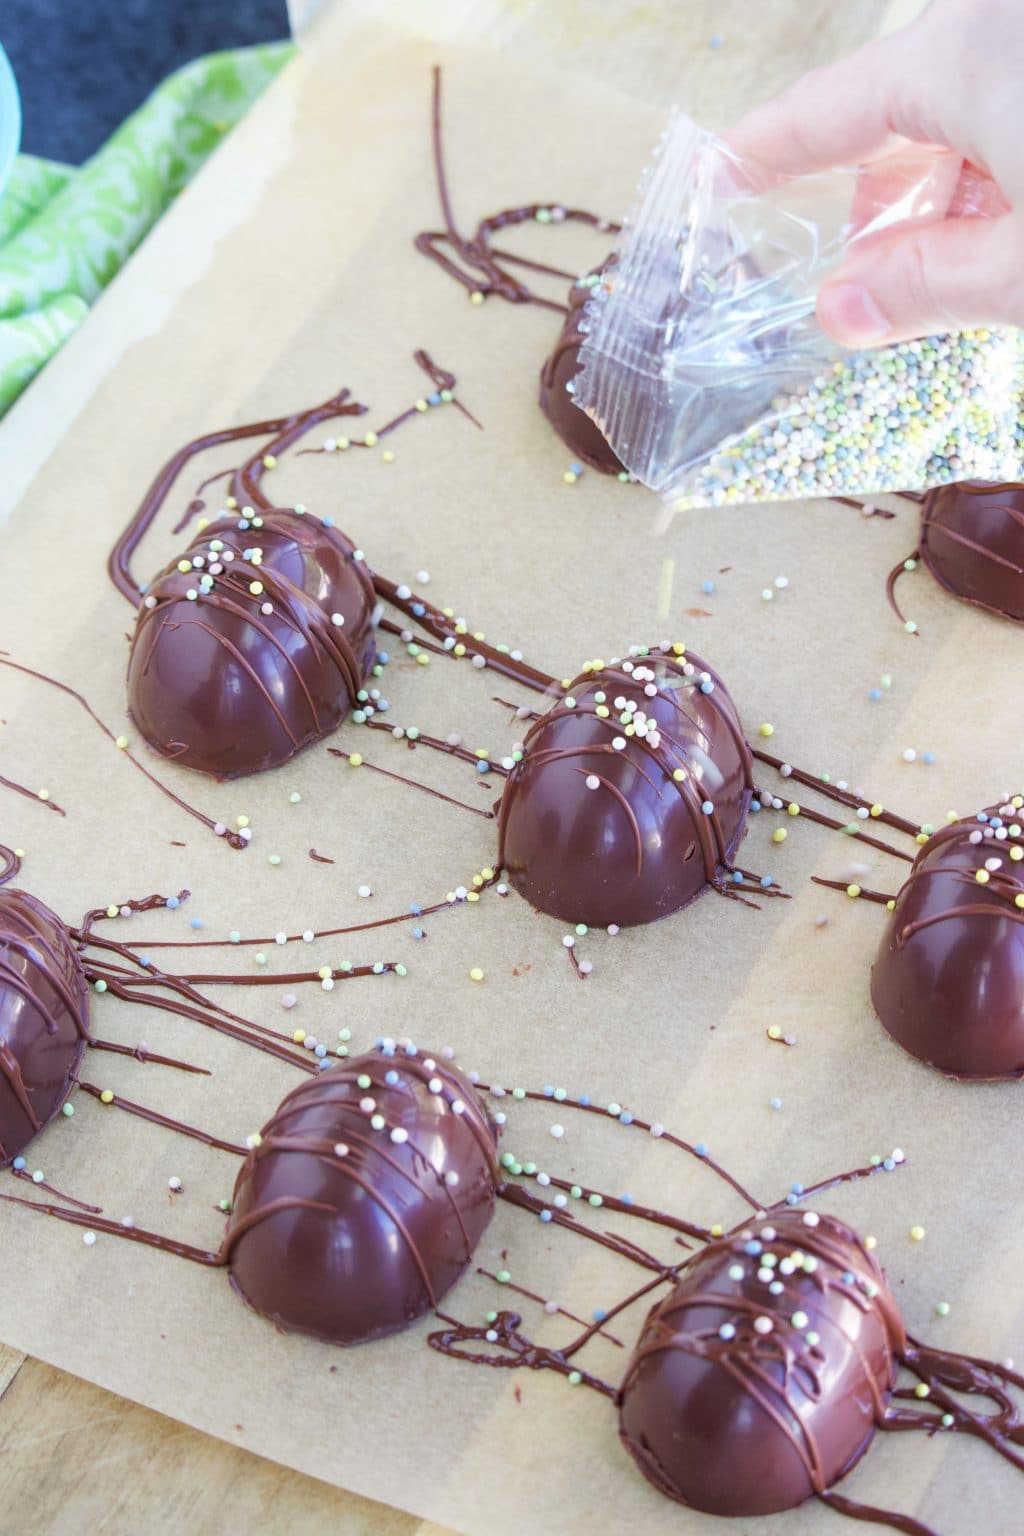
(954, 79)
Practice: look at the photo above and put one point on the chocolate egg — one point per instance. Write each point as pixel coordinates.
(364, 1198)
(580, 435)
(972, 541)
(252, 645)
(632, 793)
(44, 1013)
(761, 1378)
(948, 980)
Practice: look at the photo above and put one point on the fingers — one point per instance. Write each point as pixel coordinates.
(846, 113)
(916, 282)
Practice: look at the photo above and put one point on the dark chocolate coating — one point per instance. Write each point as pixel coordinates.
(44, 1012)
(638, 845)
(972, 541)
(354, 1244)
(756, 1422)
(580, 435)
(948, 980)
(215, 683)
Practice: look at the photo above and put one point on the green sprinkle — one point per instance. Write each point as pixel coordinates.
(491, 1317)
(574, 1378)
(576, 1192)
(595, 1200)
(400, 970)
(942, 1309)
(503, 1277)
(274, 858)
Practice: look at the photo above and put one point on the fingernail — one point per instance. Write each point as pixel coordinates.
(850, 315)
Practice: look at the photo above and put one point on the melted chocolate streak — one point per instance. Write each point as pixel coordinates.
(922, 552)
(32, 794)
(232, 838)
(482, 270)
(11, 864)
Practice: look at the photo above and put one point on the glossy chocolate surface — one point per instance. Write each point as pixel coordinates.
(254, 664)
(628, 803)
(948, 980)
(580, 435)
(44, 1010)
(741, 1402)
(972, 541)
(348, 1226)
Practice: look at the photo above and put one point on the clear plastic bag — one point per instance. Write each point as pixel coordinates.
(706, 370)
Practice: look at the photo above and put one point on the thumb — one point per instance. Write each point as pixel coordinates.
(953, 275)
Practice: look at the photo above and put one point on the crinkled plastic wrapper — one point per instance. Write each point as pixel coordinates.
(706, 370)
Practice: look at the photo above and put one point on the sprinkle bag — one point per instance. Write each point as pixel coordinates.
(705, 367)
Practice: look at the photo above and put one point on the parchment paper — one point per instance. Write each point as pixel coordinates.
(317, 287)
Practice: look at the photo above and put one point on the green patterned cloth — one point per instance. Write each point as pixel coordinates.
(65, 232)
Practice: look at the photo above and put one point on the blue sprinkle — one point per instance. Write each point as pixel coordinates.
(875, 694)
(391, 1078)
(701, 1149)
(195, 922)
(599, 1314)
(19, 1163)
(327, 522)
(434, 399)
(716, 40)
(545, 1215)
(707, 807)
(982, 816)
(418, 609)
(707, 587)
(791, 1199)
(927, 757)
(708, 687)
(848, 1277)
(585, 1099)
(243, 522)
(144, 960)
(753, 1247)
(889, 1164)
(383, 658)
(797, 1189)
(387, 1048)
(737, 877)
(776, 1103)
(416, 909)
(625, 1118)
(172, 902)
(483, 767)
(626, 1199)
(755, 805)
(766, 881)
(549, 1091)
(320, 1050)
(417, 933)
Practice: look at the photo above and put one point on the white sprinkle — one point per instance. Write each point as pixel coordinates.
(592, 781)
(399, 1135)
(569, 941)
(246, 834)
(810, 1219)
(451, 1178)
(423, 577)
(613, 929)
(337, 619)
(479, 661)
(619, 743)
(586, 966)
(403, 593)
(368, 1105)
(727, 1332)
(657, 1129)
(909, 755)
(782, 582)
(544, 1179)
(786, 770)
(174, 1184)
(280, 938)
(266, 608)
(364, 891)
(561, 1201)
(327, 985)
(458, 1107)
(551, 1308)
(89, 1239)
(558, 1131)
(289, 1000)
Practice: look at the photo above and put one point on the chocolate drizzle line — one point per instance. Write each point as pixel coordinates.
(483, 268)
(11, 864)
(32, 794)
(402, 778)
(232, 838)
(821, 820)
(832, 792)
(864, 893)
(82, 1205)
(143, 1054)
(521, 1290)
(143, 1112)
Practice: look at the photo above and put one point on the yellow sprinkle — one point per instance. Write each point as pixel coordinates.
(44, 794)
(1017, 801)
(793, 809)
(112, 911)
(766, 729)
(870, 1242)
(241, 821)
(679, 649)
(459, 650)
(231, 502)
(472, 895)
(1018, 901)
(299, 1036)
(387, 457)
(876, 810)
(679, 774)
(421, 406)
(487, 872)
(423, 660)
(255, 587)
(254, 1141)
(952, 816)
(917, 1233)
(122, 742)
(890, 906)
(107, 1096)
(779, 835)
(602, 711)
(478, 880)
(461, 629)
(269, 461)
(922, 838)
(478, 634)
(922, 1390)
(774, 1032)
(184, 566)
(476, 297)
(569, 477)
(202, 525)
(1016, 853)
(717, 1229)
(370, 440)
(476, 974)
(982, 876)
(449, 613)
(19, 853)
(355, 759)
(853, 890)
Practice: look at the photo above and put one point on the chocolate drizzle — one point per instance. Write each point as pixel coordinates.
(948, 980)
(972, 542)
(33, 794)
